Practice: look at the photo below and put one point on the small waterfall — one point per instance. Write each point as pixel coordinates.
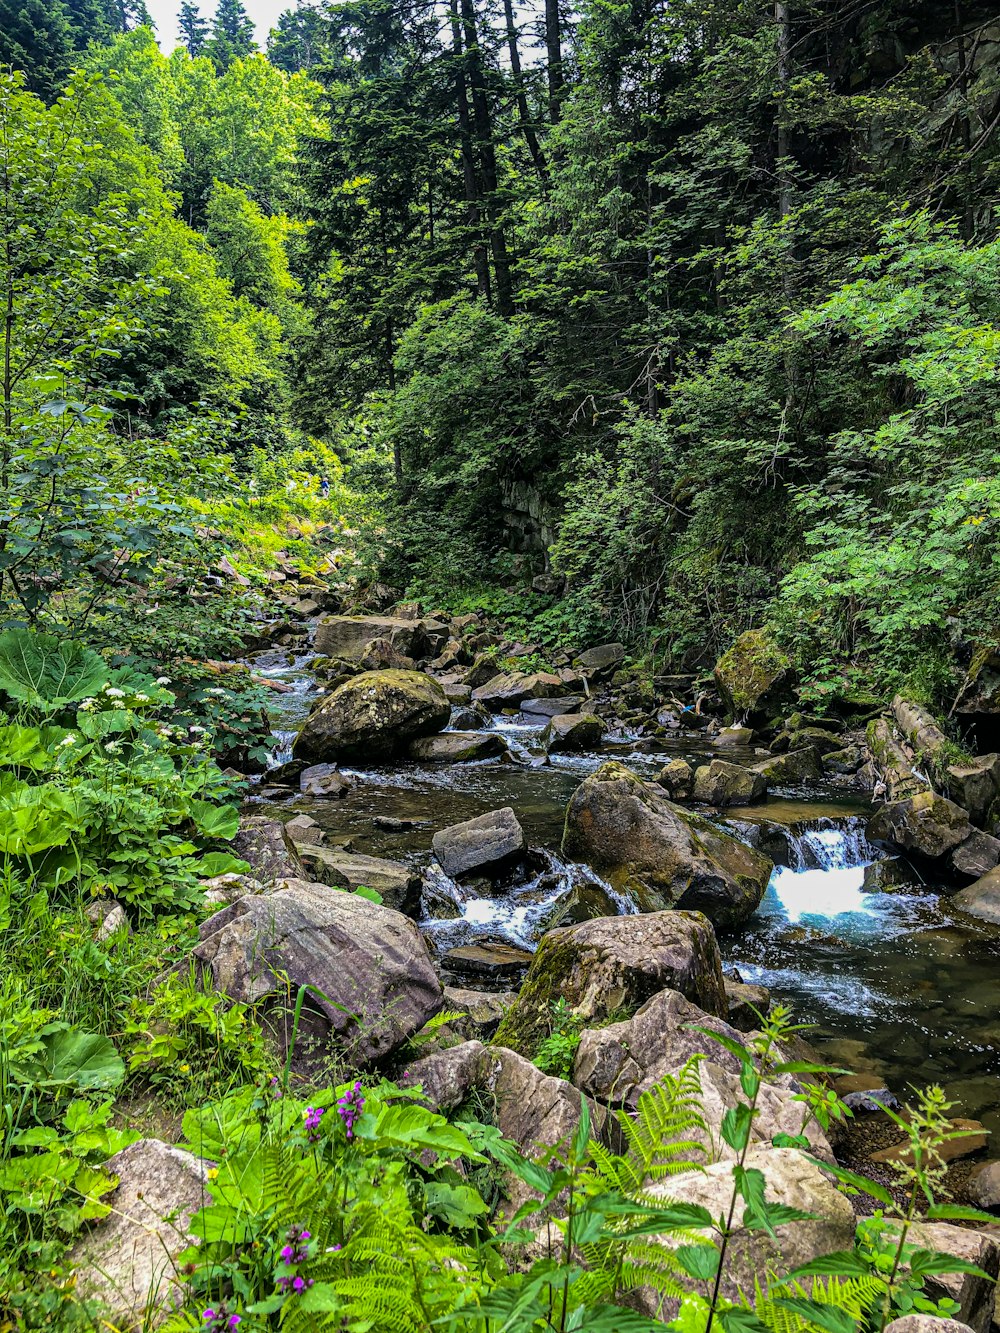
(282, 752)
(830, 845)
(827, 873)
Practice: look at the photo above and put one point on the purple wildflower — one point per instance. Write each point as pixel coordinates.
(313, 1115)
(349, 1107)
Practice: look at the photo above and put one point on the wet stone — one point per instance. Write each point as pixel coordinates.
(495, 961)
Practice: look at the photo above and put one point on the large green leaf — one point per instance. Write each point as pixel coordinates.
(80, 1060)
(215, 821)
(47, 672)
(33, 819)
(30, 747)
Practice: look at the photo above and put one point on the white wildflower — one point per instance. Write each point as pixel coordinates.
(87, 706)
(113, 747)
(162, 680)
(142, 698)
(197, 731)
(67, 740)
(113, 693)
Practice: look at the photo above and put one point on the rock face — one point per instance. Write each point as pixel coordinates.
(791, 1179)
(667, 856)
(375, 980)
(573, 731)
(722, 783)
(510, 691)
(891, 761)
(602, 660)
(373, 716)
(485, 843)
(128, 1260)
(397, 884)
(926, 1323)
(349, 636)
(482, 1011)
(677, 779)
(456, 747)
(268, 848)
(754, 676)
(972, 784)
(612, 965)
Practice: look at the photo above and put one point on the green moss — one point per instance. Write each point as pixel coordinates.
(751, 669)
(526, 1022)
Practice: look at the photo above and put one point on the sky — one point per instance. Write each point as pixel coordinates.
(263, 12)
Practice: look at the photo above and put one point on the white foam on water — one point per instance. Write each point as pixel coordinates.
(822, 893)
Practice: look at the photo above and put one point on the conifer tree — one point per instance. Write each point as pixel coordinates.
(232, 34)
(192, 28)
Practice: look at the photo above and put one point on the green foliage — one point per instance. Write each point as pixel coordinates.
(557, 1051)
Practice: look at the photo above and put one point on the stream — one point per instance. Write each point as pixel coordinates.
(895, 984)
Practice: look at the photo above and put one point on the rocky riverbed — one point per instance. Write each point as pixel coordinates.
(411, 764)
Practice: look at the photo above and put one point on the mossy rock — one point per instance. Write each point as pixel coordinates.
(605, 969)
(754, 676)
(373, 716)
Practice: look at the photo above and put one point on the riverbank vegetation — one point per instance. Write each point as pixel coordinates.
(644, 323)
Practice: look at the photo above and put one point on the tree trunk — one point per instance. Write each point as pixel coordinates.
(553, 51)
(473, 213)
(487, 158)
(527, 129)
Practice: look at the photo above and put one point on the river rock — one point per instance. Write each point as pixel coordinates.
(791, 1179)
(268, 848)
(324, 780)
(926, 1323)
(480, 1012)
(487, 843)
(974, 1295)
(722, 783)
(844, 761)
(374, 982)
(977, 855)
(645, 844)
(612, 965)
(982, 899)
(458, 695)
(601, 661)
(677, 779)
(511, 690)
(927, 824)
(817, 738)
(983, 1185)
(456, 747)
(349, 636)
(381, 655)
(736, 736)
(304, 831)
(398, 885)
(573, 731)
(491, 962)
(791, 769)
(373, 716)
(746, 1004)
(754, 677)
(128, 1260)
(561, 704)
(447, 1078)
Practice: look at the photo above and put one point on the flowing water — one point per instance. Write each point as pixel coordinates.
(896, 983)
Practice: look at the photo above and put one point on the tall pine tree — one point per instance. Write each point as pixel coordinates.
(232, 34)
(192, 28)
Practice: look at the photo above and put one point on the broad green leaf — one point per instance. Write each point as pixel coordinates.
(46, 672)
(215, 821)
(699, 1261)
(81, 1060)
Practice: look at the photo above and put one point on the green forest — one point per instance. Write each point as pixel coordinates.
(499, 631)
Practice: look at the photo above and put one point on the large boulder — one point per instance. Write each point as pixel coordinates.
(891, 762)
(618, 1063)
(754, 677)
(373, 716)
(972, 782)
(511, 690)
(982, 899)
(324, 780)
(790, 1179)
(928, 824)
(485, 844)
(602, 660)
(348, 637)
(372, 984)
(128, 1261)
(479, 1012)
(611, 965)
(397, 884)
(629, 831)
(573, 731)
(722, 783)
(457, 747)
